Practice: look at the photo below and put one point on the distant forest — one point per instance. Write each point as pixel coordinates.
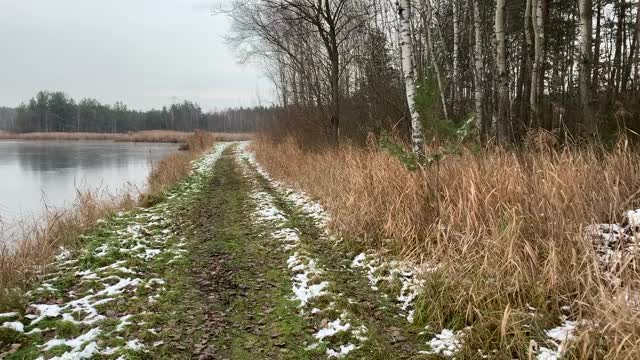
(57, 112)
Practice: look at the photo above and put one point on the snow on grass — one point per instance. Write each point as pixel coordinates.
(305, 271)
(559, 339)
(615, 244)
(14, 325)
(382, 272)
(75, 343)
(446, 343)
(133, 243)
(342, 351)
(308, 282)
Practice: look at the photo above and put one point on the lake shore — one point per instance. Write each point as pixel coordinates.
(65, 229)
(161, 136)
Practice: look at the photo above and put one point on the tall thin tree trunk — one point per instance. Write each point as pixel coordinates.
(595, 80)
(479, 68)
(503, 125)
(632, 51)
(335, 101)
(537, 20)
(586, 34)
(434, 61)
(614, 79)
(528, 64)
(456, 62)
(406, 49)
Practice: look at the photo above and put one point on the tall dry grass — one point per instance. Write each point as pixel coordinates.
(39, 242)
(506, 229)
(32, 257)
(165, 136)
(176, 166)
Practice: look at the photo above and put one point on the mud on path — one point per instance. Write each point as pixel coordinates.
(239, 278)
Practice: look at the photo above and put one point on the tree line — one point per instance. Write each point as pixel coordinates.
(421, 66)
(57, 112)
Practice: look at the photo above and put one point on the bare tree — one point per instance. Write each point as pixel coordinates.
(281, 23)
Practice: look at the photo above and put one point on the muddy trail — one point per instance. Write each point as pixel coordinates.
(271, 284)
(231, 265)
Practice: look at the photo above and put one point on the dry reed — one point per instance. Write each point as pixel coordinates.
(138, 136)
(506, 229)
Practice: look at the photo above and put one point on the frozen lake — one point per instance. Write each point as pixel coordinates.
(39, 174)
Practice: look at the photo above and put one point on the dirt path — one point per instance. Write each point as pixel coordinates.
(231, 265)
(276, 286)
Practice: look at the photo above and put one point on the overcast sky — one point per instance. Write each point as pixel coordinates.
(141, 52)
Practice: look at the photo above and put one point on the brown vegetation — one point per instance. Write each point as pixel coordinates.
(506, 229)
(138, 136)
(176, 166)
(19, 266)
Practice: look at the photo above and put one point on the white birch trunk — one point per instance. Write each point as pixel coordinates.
(537, 20)
(479, 69)
(502, 122)
(456, 61)
(406, 53)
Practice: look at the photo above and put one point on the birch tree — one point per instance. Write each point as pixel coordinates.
(503, 125)
(358, 61)
(455, 78)
(537, 21)
(479, 69)
(406, 51)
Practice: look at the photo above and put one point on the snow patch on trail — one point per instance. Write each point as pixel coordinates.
(308, 284)
(138, 240)
(305, 271)
(382, 272)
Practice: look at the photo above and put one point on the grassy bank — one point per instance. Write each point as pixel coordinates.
(34, 254)
(504, 229)
(138, 136)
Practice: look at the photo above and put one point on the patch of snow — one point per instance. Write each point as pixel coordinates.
(331, 329)
(8, 314)
(446, 343)
(76, 343)
(134, 345)
(408, 274)
(118, 287)
(547, 354)
(358, 261)
(14, 325)
(563, 332)
(46, 311)
(343, 351)
(303, 291)
(63, 255)
(124, 322)
(560, 337)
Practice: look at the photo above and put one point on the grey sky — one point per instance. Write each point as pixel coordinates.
(142, 52)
